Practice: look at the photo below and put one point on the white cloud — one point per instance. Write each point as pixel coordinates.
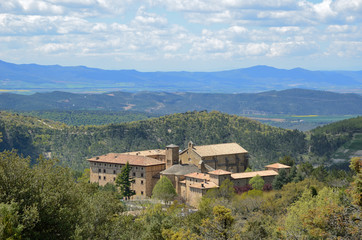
(158, 30)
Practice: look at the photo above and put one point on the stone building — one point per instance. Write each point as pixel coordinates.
(196, 184)
(193, 171)
(226, 156)
(144, 170)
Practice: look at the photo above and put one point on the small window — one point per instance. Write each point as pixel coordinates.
(141, 168)
(99, 177)
(99, 170)
(114, 171)
(134, 174)
(136, 168)
(104, 170)
(141, 192)
(142, 182)
(104, 178)
(141, 174)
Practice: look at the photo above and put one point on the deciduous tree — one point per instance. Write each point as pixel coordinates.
(164, 190)
(257, 182)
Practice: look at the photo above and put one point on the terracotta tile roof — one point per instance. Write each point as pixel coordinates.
(198, 175)
(277, 165)
(264, 173)
(204, 185)
(146, 153)
(120, 158)
(219, 149)
(219, 172)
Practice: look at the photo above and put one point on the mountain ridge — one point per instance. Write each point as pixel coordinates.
(34, 77)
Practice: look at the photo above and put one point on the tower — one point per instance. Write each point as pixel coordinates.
(172, 155)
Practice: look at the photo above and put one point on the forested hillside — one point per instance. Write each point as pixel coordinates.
(89, 117)
(339, 140)
(291, 101)
(73, 145)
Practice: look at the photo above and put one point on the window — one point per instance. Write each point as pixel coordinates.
(99, 170)
(99, 177)
(134, 174)
(141, 192)
(136, 168)
(104, 170)
(142, 182)
(141, 174)
(104, 178)
(114, 171)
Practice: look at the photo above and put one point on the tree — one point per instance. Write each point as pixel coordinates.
(356, 186)
(124, 181)
(287, 160)
(280, 179)
(220, 227)
(164, 190)
(257, 182)
(226, 190)
(321, 216)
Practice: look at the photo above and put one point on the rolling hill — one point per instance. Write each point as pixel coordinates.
(292, 101)
(73, 145)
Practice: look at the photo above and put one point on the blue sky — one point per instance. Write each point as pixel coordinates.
(190, 35)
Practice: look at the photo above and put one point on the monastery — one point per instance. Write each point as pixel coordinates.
(192, 171)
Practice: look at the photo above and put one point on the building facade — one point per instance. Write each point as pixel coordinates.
(144, 170)
(226, 156)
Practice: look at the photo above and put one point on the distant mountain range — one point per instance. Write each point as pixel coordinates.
(292, 101)
(39, 78)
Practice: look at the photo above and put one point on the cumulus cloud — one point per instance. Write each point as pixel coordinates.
(157, 30)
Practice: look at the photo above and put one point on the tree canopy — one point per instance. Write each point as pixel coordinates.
(164, 190)
(257, 182)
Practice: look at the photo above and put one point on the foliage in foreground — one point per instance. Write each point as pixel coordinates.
(46, 202)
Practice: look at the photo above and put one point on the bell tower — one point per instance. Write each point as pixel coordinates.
(172, 155)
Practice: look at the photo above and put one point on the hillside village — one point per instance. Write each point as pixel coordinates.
(192, 171)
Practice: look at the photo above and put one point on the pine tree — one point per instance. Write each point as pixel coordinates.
(124, 182)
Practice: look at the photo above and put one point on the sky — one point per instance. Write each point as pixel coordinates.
(183, 35)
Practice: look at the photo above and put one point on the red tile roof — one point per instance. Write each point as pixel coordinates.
(264, 173)
(277, 165)
(198, 175)
(146, 153)
(119, 158)
(219, 149)
(204, 185)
